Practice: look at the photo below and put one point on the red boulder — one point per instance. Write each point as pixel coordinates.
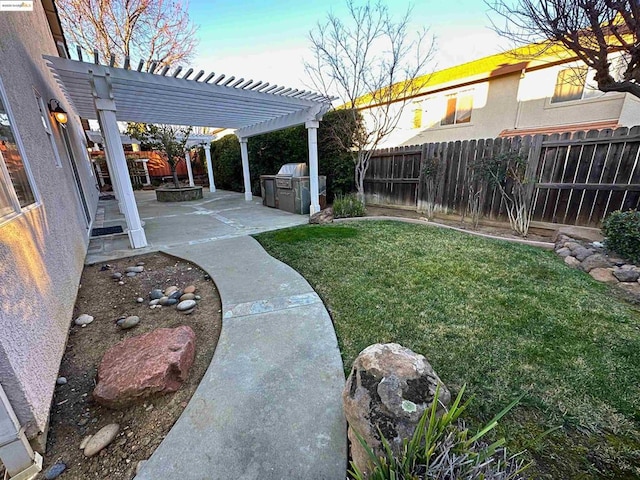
(138, 367)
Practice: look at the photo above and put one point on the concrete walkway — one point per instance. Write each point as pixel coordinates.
(269, 406)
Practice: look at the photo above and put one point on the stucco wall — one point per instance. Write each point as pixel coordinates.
(537, 110)
(494, 109)
(42, 250)
(630, 114)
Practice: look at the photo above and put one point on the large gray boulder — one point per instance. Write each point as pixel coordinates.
(389, 388)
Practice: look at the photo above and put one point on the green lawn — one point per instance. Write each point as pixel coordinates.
(503, 318)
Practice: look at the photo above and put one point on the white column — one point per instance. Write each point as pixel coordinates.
(245, 170)
(187, 159)
(111, 169)
(207, 153)
(147, 178)
(16, 454)
(312, 131)
(113, 148)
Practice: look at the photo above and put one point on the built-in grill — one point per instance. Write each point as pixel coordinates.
(289, 189)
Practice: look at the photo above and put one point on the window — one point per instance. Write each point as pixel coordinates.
(46, 123)
(458, 108)
(573, 84)
(16, 191)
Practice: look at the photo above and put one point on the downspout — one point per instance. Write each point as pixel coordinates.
(17, 456)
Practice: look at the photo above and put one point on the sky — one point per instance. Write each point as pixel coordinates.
(268, 40)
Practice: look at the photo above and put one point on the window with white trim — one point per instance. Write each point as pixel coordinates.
(458, 108)
(46, 123)
(16, 189)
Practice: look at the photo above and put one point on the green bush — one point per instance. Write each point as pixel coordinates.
(442, 448)
(345, 206)
(622, 232)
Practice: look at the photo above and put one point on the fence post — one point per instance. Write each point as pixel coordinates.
(423, 155)
(531, 172)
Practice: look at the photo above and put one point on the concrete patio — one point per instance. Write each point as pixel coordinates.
(219, 215)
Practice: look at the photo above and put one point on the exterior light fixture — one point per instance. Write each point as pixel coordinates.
(58, 113)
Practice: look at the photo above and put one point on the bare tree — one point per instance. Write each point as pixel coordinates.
(369, 61)
(591, 29)
(157, 31)
(168, 139)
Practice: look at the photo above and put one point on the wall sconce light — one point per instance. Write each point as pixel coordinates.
(58, 113)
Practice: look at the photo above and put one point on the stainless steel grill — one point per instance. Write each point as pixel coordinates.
(289, 188)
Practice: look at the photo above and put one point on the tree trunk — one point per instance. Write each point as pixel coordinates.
(174, 172)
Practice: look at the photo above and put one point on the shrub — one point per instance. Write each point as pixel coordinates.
(622, 232)
(442, 448)
(347, 206)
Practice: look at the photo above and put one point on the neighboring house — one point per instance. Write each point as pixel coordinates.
(514, 93)
(48, 198)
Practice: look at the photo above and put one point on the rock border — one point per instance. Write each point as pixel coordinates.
(602, 265)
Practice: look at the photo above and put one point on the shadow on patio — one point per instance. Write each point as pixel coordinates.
(218, 215)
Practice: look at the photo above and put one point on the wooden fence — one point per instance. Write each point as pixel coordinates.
(575, 178)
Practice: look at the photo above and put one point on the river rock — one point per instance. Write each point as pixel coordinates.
(603, 275)
(389, 388)
(167, 301)
(156, 294)
(596, 260)
(189, 289)
(101, 439)
(130, 322)
(83, 319)
(139, 300)
(55, 470)
(186, 305)
(581, 252)
(169, 290)
(573, 262)
(627, 273)
(154, 302)
(136, 269)
(61, 381)
(187, 296)
(176, 295)
(116, 276)
(138, 367)
(86, 439)
(131, 274)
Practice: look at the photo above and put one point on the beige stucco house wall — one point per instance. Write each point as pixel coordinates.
(42, 248)
(509, 97)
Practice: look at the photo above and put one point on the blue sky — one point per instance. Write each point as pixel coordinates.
(268, 40)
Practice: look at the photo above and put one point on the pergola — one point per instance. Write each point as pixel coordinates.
(110, 94)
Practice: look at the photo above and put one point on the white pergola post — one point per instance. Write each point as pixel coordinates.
(207, 153)
(187, 159)
(115, 188)
(16, 454)
(312, 131)
(106, 109)
(248, 196)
